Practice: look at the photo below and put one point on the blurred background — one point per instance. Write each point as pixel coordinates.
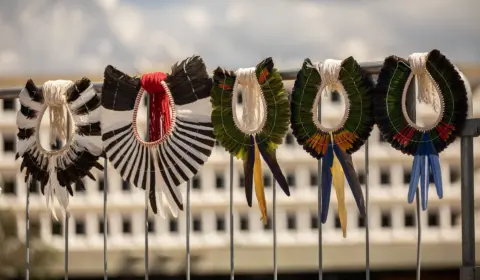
(54, 39)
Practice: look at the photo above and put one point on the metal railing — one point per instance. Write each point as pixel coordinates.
(467, 270)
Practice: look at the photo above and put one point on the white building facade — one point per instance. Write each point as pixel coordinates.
(392, 221)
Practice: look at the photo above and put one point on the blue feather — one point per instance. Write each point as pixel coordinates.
(326, 181)
(415, 177)
(434, 160)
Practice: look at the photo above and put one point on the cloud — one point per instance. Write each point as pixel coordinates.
(51, 36)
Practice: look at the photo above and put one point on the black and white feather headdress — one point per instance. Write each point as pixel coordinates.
(159, 167)
(57, 170)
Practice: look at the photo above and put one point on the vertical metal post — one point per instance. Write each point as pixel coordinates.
(319, 208)
(188, 231)
(232, 245)
(467, 197)
(367, 227)
(105, 221)
(67, 213)
(147, 137)
(275, 266)
(412, 114)
(27, 233)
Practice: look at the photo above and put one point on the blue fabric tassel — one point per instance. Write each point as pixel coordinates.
(425, 160)
(327, 162)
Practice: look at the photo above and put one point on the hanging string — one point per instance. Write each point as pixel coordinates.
(253, 116)
(329, 72)
(160, 119)
(426, 89)
(54, 95)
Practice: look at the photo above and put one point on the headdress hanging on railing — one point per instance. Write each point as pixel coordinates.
(334, 146)
(435, 73)
(264, 122)
(179, 147)
(57, 170)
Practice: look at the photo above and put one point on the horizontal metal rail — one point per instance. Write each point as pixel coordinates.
(470, 130)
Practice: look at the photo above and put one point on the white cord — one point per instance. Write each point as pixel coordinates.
(426, 89)
(254, 108)
(54, 95)
(329, 72)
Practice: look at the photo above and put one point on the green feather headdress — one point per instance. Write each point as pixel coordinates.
(434, 73)
(266, 138)
(334, 146)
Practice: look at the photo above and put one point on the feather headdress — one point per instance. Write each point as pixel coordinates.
(159, 167)
(334, 146)
(264, 122)
(56, 171)
(435, 74)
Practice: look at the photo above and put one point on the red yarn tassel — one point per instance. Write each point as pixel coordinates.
(160, 119)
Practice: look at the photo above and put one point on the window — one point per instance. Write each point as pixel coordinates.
(337, 221)
(386, 220)
(361, 221)
(454, 174)
(8, 105)
(197, 224)
(406, 177)
(335, 97)
(101, 185)
(433, 218)
(244, 222)
(126, 225)
(125, 186)
(361, 177)
(79, 186)
(409, 219)
(241, 181)
(289, 140)
(291, 179)
(151, 225)
(267, 181)
(56, 228)
(219, 181)
(385, 177)
(291, 221)
(35, 227)
(313, 221)
(33, 188)
(268, 226)
(79, 226)
(9, 186)
(173, 225)
(101, 226)
(454, 217)
(220, 223)
(313, 179)
(196, 184)
(8, 144)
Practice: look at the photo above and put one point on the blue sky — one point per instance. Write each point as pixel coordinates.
(53, 36)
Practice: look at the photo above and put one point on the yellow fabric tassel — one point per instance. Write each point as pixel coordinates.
(259, 188)
(338, 179)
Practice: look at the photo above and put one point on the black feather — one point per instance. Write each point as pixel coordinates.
(248, 164)
(189, 81)
(271, 161)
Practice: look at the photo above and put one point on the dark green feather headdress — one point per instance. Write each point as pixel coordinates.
(271, 129)
(434, 72)
(334, 146)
